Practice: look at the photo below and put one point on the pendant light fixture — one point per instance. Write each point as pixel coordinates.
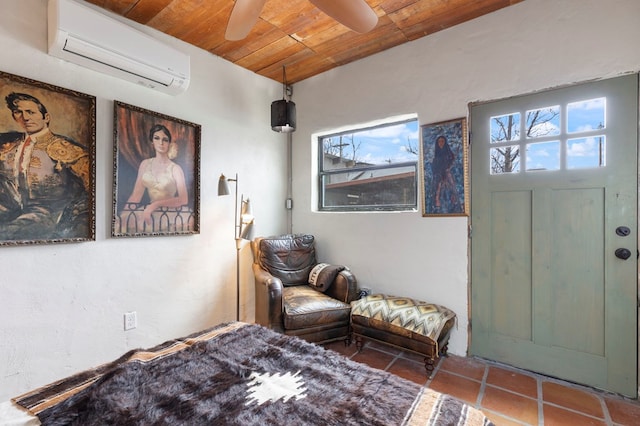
(283, 112)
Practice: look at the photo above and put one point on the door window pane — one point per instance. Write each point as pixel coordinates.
(586, 115)
(505, 128)
(543, 122)
(543, 156)
(505, 159)
(583, 153)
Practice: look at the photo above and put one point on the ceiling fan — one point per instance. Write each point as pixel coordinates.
(356, 15)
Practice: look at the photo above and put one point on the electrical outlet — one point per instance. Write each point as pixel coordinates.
(364, 292)
(130, 320)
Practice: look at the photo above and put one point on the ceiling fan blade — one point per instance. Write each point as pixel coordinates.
(354, 14)
(243, 17)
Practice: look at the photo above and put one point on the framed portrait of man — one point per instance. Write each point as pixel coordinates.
(47, 163)
(156, 182)
(445, 168)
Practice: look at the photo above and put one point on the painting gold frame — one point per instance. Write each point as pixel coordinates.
(47, 163)
(156, 188)
(444, 160)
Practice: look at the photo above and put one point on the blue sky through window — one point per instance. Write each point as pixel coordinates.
(388, 144)
(586, 115)
(585, 148)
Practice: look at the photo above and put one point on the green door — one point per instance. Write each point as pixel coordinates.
(554, 198)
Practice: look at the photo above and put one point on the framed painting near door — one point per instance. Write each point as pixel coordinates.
(444, 164)
(47, 163)
(156, 174)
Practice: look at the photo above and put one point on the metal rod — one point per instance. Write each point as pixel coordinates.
(237, 280)
(235, 216)
(236, 237)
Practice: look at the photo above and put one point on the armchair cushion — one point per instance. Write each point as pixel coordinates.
(305, 307)
(288, 257)
(323, 274)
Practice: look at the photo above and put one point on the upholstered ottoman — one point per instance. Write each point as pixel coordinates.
(407, 323)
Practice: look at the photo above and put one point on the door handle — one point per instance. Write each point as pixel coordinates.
(623, 253)
(623, 231)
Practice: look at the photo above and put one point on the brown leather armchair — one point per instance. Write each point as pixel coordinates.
(296, 295)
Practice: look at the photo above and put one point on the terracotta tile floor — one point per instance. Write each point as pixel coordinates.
(506, 395)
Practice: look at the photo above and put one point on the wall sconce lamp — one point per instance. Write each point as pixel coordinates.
(242, 227)
(283, 111)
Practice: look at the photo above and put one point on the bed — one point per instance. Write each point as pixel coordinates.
(236, 374)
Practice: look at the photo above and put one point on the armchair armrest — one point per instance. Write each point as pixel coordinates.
(344, 287)
(268, 294)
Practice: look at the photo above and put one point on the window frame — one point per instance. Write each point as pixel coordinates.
(390, 207)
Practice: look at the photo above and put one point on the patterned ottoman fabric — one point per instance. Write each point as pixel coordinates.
(426, 319)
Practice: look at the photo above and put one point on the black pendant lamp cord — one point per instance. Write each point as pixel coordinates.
(284, 82)
(287, 91)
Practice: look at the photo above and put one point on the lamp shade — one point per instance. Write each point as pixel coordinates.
(245, 208)
(223, 186)
(246, 220)
(283, 116)
(247, 231)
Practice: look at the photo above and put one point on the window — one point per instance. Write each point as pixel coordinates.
(547, 147)
(370, 168)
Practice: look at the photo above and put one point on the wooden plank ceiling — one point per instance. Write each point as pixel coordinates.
(294, 33)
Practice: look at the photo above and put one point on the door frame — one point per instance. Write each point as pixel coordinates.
(472, 316)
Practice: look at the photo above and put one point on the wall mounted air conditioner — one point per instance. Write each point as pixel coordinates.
(84, 36)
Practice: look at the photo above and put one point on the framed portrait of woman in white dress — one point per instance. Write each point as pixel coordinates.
(156, 174)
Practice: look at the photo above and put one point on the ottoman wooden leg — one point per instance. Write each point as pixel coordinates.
(428, 365)
(444, 350)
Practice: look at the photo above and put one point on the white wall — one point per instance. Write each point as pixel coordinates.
(61, 306)
(526, 47)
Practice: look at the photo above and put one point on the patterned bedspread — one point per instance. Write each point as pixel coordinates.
(241, 374)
